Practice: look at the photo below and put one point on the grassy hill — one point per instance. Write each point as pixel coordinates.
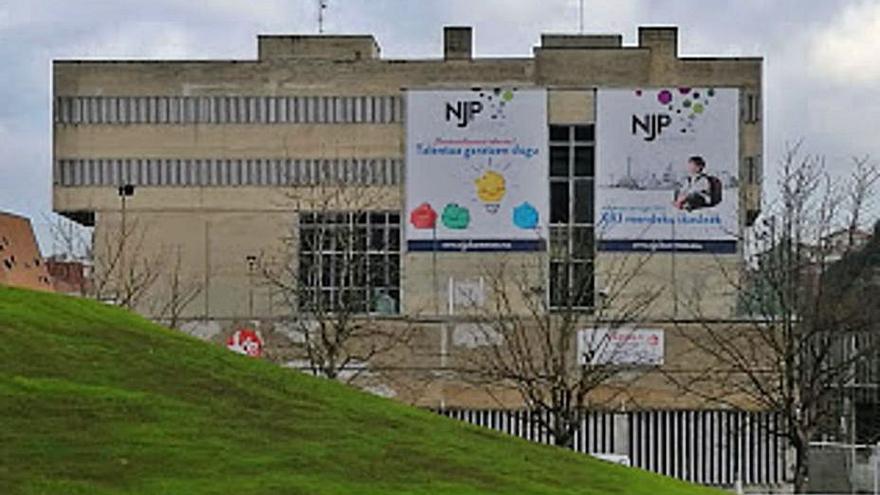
(95, 400)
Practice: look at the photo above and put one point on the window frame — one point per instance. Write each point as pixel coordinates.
(571, 256)
(362, 279)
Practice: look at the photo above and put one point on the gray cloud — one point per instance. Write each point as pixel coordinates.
(847, 50)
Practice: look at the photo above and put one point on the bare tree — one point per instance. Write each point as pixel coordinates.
(338, 277)
(555, 349)
(177, 289)
(809, 302)
(124, 271)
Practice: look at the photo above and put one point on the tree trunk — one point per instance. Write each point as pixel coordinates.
(564, 427)
(801, 466)
(563, 439)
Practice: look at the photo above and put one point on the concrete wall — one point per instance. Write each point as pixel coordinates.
(217, 228)
(429, 365)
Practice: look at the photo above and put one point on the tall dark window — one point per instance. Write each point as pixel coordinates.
(349, 262)
(572, 169)
(752, 108)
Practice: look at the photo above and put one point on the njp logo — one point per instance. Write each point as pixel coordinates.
(651, 125)
(462, 112)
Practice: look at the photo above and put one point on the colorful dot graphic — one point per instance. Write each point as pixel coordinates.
(525, 216)
(455, 217)
(664, 96)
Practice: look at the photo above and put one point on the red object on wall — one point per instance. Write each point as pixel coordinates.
(423, 217)
(246, 341)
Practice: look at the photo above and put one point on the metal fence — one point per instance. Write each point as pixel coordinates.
(844, 468)
(709, 447)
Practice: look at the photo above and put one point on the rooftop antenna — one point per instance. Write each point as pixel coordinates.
(581, 17)
(322, 6)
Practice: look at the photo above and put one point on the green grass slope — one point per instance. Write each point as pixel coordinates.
(95, 400)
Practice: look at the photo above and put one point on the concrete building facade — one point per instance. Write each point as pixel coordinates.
(231, 160)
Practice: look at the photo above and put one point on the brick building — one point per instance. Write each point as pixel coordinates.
(21, 264)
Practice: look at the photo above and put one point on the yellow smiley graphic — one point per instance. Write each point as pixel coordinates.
(490, 187)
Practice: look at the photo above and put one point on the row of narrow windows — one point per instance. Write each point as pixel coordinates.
(73, 110)
(228, 172)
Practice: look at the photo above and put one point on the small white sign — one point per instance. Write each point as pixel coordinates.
(621, 346)
(623, 460)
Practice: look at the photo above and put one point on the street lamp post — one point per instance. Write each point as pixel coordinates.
(252, 264)
(124, 191)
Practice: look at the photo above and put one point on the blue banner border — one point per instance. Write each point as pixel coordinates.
(475, 245)
(669, 246)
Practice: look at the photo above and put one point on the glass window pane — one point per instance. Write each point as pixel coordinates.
(340, 271)
(306, 240)
(377, 219)
(306, 270)
(559, 133)
(558, 202)
(377, 238)
(378, 270)
(360, 239)
(584, 161)
(326, 299)
(327, 270)
(559, 243)
(394, 270)
(346, 297)
(325, 238)
(395, 295)
(583, 201)
(394, 239)
(584, 132)
(582, 284)
(358, 270)
(558, 284)
(360, 298)
(582, 243)
(559, 161)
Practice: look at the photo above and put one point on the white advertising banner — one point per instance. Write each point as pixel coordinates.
(621, 346)
(476, 169)
(667, 169)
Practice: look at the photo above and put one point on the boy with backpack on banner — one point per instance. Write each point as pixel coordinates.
(700, 189)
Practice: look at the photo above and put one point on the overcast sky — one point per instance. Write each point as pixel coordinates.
(821, 78)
